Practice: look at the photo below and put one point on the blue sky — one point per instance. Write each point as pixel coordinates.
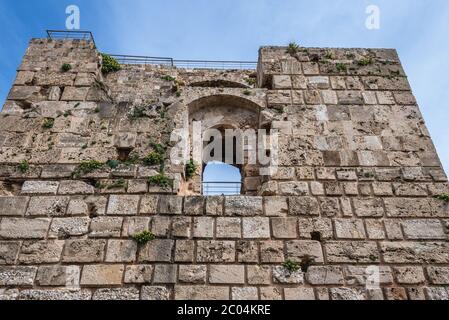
(235, 29)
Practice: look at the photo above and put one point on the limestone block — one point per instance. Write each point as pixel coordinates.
(17, 276)
(352, 252)
(423, 229)
(121, 251)
(243, 206)
(55, 294)
(215, 251)
(272, 251)
(102, 275)
(415, 252)
(195, 205)
(258, 275)
(303, 206)
(229, 228)
(244, 293)
(194, 274)
(138, 274)
(40, 187)
(223, 274)
(83, 251)
(17, 228)
(117, 294)
(75, 187)
(256, 228)
(13, 206)
(185, 251)
(165, 274)
(125, 140)
(201, 293)
(349, 229)
(38, 252)
(170, 205)
(203, 227)
(275, 206)
(158, 250)
(325, 275)
(63, 276)
(300, 294)
(409, 275)
(123, 205)
(438, 275)
(105, 227)
(74, 94)
(302, 250)
(283, 276)
(155, 293)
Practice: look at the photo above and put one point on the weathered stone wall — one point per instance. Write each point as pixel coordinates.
(355, 188)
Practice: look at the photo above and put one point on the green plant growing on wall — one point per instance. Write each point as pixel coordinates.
(251, 81)
(48, 123)
(24, 166)
(293, 48)
(341, 67)
(153, 158)
(168, 78)
(66, 67)
(117, 184)
(291, 266)
(191, 169)
(328, 55)
(365, 62)
(137, 112)
(161, 180)
(87, 167)
(246, 92)
(109, 64)
(113, 164)
(144, 237)
(444, 197)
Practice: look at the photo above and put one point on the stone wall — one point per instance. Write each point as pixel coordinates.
(355, 188)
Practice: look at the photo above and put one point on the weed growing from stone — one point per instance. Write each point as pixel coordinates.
(291, 266)
(293, 48)
(48, 123)
(161, 180)
(444, 197)
(117, 184)
(66, 67)
(365, 62)
(24, 166)
(341, 67)
(113, 164)
(109, 64)
(144, 237)
(87, 167)
(168, 78)
(191, 168)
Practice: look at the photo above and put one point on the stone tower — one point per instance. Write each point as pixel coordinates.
(351, 213)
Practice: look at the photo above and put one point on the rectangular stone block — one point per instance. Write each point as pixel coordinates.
(40, 187)
(415, 252)
(194, 274)
(203, 227)
(300, 294)
(423, 229)
(215, 251)
(170, 205)
(229, 228)
(275, 206)
(165, 274)
(256, 228)
(303, 206)
(409, 275)
(272, 251)
(185, 251)
(140, 273)
(121, 294)
(158, 250)
(61, 228)
(214, 206)
(17, 276)
(8, 252)
(17, 228)
(438, 275)
(39, 252)
(62, 276)
(258, 275)
(352, 252)
(284, 228)
(349, 229)
(56, 294)
(123, 205)
(48, 206)
(304, 250)
(201, 293)
(105, 227)
(370, 207)
(75, 187)
(102, 275)
(121, 251)
(83, 251)
(325, 275)
(243, 206)
(416, 208)
(13, 206)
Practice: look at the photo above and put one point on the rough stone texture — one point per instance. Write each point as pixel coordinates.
(353, 195)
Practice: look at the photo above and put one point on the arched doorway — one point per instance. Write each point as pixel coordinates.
(224, 114)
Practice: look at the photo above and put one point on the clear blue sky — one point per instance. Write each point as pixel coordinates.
(235, 29)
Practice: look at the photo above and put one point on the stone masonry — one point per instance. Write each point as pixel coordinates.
(355, 190)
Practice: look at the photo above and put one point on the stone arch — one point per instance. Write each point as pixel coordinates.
(218, 83)
(221, 112)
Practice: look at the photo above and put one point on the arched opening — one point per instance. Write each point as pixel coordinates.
(225, 169)
(221, 179)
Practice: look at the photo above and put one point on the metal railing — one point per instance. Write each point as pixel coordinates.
(147, 60)
(70, 34)
(221, 188)
(188, 64)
